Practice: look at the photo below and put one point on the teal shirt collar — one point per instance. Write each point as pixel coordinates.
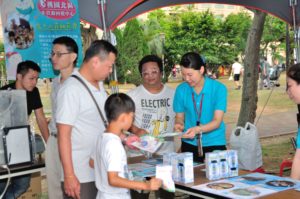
(206, 86)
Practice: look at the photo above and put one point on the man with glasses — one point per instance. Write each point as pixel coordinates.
(63, 58)
(154, 109)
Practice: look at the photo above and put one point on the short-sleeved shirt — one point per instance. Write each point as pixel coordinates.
(56, 84)
(214, 98)
(298, 139)
(76, 108)
(237, 68)
(110, 157)
(154, 113)
(54, 90)
(33, 97)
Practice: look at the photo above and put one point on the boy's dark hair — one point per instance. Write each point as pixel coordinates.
(70, 44)
(192, 60)
(99, 48)
(24, 66)
(294, 73)
(116, 104)
(11, 34)
(151, 58)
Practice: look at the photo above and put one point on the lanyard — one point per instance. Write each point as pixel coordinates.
(200, 108)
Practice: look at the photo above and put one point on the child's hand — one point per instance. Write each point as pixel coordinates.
(91, 163)
(154, 184)
(130, 139)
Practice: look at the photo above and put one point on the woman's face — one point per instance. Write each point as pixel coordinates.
(192, 76)
(293, 90)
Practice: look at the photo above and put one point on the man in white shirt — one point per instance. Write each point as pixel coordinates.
(236, 71)
(63, 58)
(154, 107)
(78, 121)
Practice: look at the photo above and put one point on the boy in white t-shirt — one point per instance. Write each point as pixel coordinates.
(110, 156)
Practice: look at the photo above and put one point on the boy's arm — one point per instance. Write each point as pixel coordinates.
(117, 181)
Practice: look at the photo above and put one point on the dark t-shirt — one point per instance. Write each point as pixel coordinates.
(33, 97)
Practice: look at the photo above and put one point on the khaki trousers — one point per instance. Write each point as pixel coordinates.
(53, 169)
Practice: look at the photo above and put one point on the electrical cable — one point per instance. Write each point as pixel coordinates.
(8, 180)
(264, 106)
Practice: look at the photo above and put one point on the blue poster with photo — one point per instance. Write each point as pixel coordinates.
(29, 28)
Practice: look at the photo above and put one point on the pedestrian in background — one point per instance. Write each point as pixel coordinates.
(236, 72)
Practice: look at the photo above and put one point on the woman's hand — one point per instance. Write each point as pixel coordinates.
(191, 132)
(178, 127)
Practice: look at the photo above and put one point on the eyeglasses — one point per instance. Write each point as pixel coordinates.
(59, 54)
(150, 73)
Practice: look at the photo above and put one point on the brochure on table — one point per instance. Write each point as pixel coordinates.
(249, 186)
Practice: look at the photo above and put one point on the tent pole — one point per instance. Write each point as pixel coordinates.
(293, 4)
(287, 45)
(102, 11)
(107, 36)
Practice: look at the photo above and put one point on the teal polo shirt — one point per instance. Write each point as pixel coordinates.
(214, 98)
(298, 139)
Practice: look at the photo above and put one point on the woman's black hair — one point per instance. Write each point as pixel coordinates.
(192, 60)
(294, 73)
(116, 104)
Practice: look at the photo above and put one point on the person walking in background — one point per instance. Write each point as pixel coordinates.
(236, 72)
(79, 123)
(27, 77)
(293, 90)
(265, 78)
(110, 158)
(199, 103)
(63, 58)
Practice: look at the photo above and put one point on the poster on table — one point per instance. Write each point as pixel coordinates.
(252, 185)
(30, 26)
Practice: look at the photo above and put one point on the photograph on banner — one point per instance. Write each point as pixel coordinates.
(30, 26)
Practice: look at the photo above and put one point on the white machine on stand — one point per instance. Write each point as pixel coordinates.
(15, 138)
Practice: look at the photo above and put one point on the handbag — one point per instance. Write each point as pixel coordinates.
(87, 88)
(245, 141)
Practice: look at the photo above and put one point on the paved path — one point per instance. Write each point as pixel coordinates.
(273, 124)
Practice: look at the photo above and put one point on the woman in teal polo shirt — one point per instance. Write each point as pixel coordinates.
(293, 90)
(199, 103)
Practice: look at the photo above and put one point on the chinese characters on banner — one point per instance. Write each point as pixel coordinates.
(29, 28)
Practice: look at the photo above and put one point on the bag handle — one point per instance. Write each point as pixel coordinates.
(87, 88)
(236, 132)
(249, 126)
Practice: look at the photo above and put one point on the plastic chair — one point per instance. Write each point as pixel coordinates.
(259, 170)
(287, 163)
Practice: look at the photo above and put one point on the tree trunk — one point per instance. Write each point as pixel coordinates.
(88, 36)
(249, 95)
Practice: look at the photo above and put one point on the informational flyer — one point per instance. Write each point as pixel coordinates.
(30, 26)
(252, 185)
(148, 143)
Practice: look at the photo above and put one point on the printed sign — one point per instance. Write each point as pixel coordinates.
(29, 28)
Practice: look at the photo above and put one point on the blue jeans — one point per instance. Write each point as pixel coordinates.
(18, 186)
